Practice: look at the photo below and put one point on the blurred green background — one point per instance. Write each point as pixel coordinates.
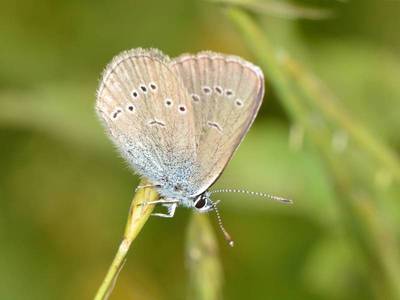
(65, 192)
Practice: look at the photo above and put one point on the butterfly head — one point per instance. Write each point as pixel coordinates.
(203, 203)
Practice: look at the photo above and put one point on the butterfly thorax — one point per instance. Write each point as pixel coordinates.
(178, 192)
(201, 203)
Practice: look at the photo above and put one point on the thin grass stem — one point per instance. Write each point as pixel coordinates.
(203, 261)
(138, 216)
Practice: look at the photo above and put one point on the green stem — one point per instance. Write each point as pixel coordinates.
(315, 91)
(203, 262)
(138, 215)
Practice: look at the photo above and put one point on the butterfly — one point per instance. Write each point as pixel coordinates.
(177, 122)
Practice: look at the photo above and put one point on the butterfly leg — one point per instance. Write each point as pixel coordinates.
(171, 204)
(171, 211)
(160, 201)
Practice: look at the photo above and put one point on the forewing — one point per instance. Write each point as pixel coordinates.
(148, 114)
(226, 94)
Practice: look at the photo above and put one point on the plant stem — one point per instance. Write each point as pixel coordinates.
(138, 215)
(314, 90)
(203, 262)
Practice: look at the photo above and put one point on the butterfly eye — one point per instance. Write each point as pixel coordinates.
(199, 204)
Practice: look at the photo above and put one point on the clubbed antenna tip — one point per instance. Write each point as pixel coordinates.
(281, 199)
(227, 236)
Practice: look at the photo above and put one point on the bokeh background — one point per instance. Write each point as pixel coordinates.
(327, 136)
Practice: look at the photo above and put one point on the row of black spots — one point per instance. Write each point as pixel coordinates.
(130, 108)
(169, 103)
(144, 89)
(218, 90)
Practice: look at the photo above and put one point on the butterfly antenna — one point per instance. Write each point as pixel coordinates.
(265, 195)
(226, 234)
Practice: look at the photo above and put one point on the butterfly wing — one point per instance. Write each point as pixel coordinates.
(226, 94)
(148, 113)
